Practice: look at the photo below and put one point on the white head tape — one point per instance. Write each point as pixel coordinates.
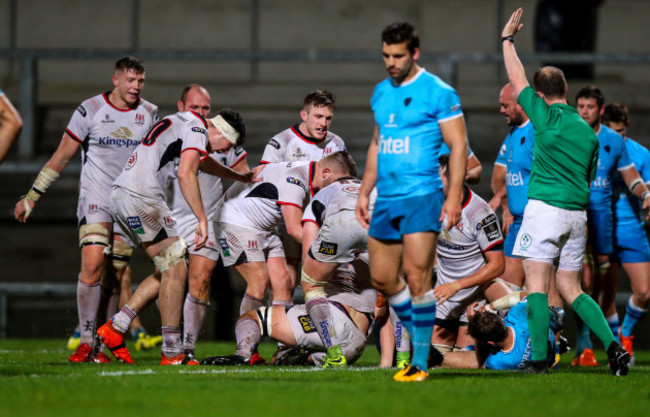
(226, 130)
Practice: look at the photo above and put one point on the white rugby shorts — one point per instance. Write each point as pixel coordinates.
(239, 243)
(553, 235)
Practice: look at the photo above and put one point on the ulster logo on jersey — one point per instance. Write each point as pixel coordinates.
(139, 119)
(92, 208)
(169, 221)
(253, 246)
(131, 162)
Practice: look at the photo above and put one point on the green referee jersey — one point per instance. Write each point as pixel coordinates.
(565, 154)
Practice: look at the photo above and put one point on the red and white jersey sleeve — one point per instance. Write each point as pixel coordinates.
(460, 250)
(291, 145)
(258, 206)
(153, 164)
(108, 136)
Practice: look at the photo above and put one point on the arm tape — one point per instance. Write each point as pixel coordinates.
(637, 181)
(44, 179)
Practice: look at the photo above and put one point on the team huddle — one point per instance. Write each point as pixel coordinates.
(409, 251)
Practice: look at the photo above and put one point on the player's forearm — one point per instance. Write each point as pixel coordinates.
(212, 167)
(491, 270)
(189, 185)
(514, 68)
(370, 174)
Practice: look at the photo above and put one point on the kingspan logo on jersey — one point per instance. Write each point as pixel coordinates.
(119, 138)
(393, 146)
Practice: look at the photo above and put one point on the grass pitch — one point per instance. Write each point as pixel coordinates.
(37, 380)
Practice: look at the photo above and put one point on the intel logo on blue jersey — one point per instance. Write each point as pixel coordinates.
(514, 179)
(393, 146)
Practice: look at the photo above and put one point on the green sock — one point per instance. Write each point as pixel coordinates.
(538, 323)
(593, 317)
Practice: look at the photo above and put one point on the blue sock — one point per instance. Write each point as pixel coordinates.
(401, 303)
(424, 314)
(583, 336)
(633, 315)
(613, 324)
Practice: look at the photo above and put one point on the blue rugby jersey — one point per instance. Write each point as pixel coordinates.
(407, 116)
(612, 156)
(516, 154)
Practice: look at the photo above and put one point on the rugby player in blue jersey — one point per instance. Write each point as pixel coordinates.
(510, 178)
(631, 248)
(414, 112)
(613, 157)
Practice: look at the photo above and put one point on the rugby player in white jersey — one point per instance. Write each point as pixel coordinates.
(352, 297)
(310, 140)
(107, 127)
(331, 237)
(202, 261)
(177, 146)
(248, 215)
(470, 257)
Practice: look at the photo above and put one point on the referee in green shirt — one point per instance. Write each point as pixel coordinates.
(552, 234)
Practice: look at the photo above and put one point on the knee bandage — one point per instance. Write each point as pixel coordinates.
(443, 348)
(121, 255)
(506, 301)
(94, 234)
(603, 268)
(317, 292)
(171, 255)
(265, 320)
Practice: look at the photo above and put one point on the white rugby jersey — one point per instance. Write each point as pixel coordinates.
(257, 206)
(339, 195)
(210, 185)
(153, 164)
(460, 250)
(351, 285)
(291, 145)
(108, 136)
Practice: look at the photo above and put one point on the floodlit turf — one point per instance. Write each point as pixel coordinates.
(37, 380)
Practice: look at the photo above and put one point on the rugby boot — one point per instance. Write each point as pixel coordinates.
(335, 358)
(533, 367)
(75, 340)
(619, 359)
(295, 356)
(114, 341)
(147, 342)
(627, 343)
(180, 359)
(586, 358)
(82, 354)
(402, 359)
(100, 357)
(229, 360)
(411, 373)
(256, 359)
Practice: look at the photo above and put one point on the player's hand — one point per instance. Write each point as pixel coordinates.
(474, 308)
(646, 205)
(254, 174)
(362, 210)
(201, 234)
(23, 209)
(450, 214)
(506, 221)
(446, 291)
(513, 25)
(495, 202)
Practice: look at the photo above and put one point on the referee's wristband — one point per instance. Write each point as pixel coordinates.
(510, 38)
